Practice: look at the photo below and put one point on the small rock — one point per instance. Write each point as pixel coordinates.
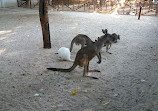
(41, 89)
(60, 105)
(115, 95)
(54, 107)
(36, 94)
(142, 80)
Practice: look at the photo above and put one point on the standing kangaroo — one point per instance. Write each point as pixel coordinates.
(85, 55)
(80, 39)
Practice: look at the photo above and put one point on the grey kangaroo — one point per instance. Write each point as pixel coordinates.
(80, 39)
(114, 37)
(111, 38)
(85, 55)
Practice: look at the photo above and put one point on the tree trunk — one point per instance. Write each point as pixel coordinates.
(43, 13)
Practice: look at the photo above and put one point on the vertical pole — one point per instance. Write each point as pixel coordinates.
(94, 4)
(27, 3)
(30, 4)
(52, 4)
(73, 5)
(111, 4)
(156, 12)
(136, 7)
(139, 12)
(78, 3)
(17, 3)
(106, 5)
(62, 3)
(89, 6)
(43, 14)
(101, 5)
(58, 3)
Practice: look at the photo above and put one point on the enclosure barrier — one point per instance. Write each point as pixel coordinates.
(101, 6)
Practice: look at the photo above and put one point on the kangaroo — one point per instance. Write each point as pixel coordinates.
(112, 38)
(85, 55)
(108, 44)
(108, 41)
(80, 39)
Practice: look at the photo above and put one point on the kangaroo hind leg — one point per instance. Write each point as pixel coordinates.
(85, 64)
(107, 48)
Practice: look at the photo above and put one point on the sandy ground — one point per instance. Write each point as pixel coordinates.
(128, 80)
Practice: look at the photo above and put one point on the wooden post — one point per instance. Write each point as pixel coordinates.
(78, 3)
(94, 4)
(111, 4)
(62, 3)
(106, 5)
(89, 6)
(156, 12)
(73, 5)
(68, 2)
(43, 13)
(139, 12)
(101, 5)
(30, 3)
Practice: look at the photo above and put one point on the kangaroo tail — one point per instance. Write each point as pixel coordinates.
(119, 37)
(72, 42)
(63, 70)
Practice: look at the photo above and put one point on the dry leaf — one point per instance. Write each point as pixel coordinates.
(106, 103)
(74, 92)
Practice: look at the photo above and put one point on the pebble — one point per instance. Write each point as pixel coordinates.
(36, 94)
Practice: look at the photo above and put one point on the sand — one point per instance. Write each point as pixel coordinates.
(128, 80)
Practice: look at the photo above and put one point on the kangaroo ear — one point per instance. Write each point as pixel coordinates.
(103, 31)
(106, 31)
